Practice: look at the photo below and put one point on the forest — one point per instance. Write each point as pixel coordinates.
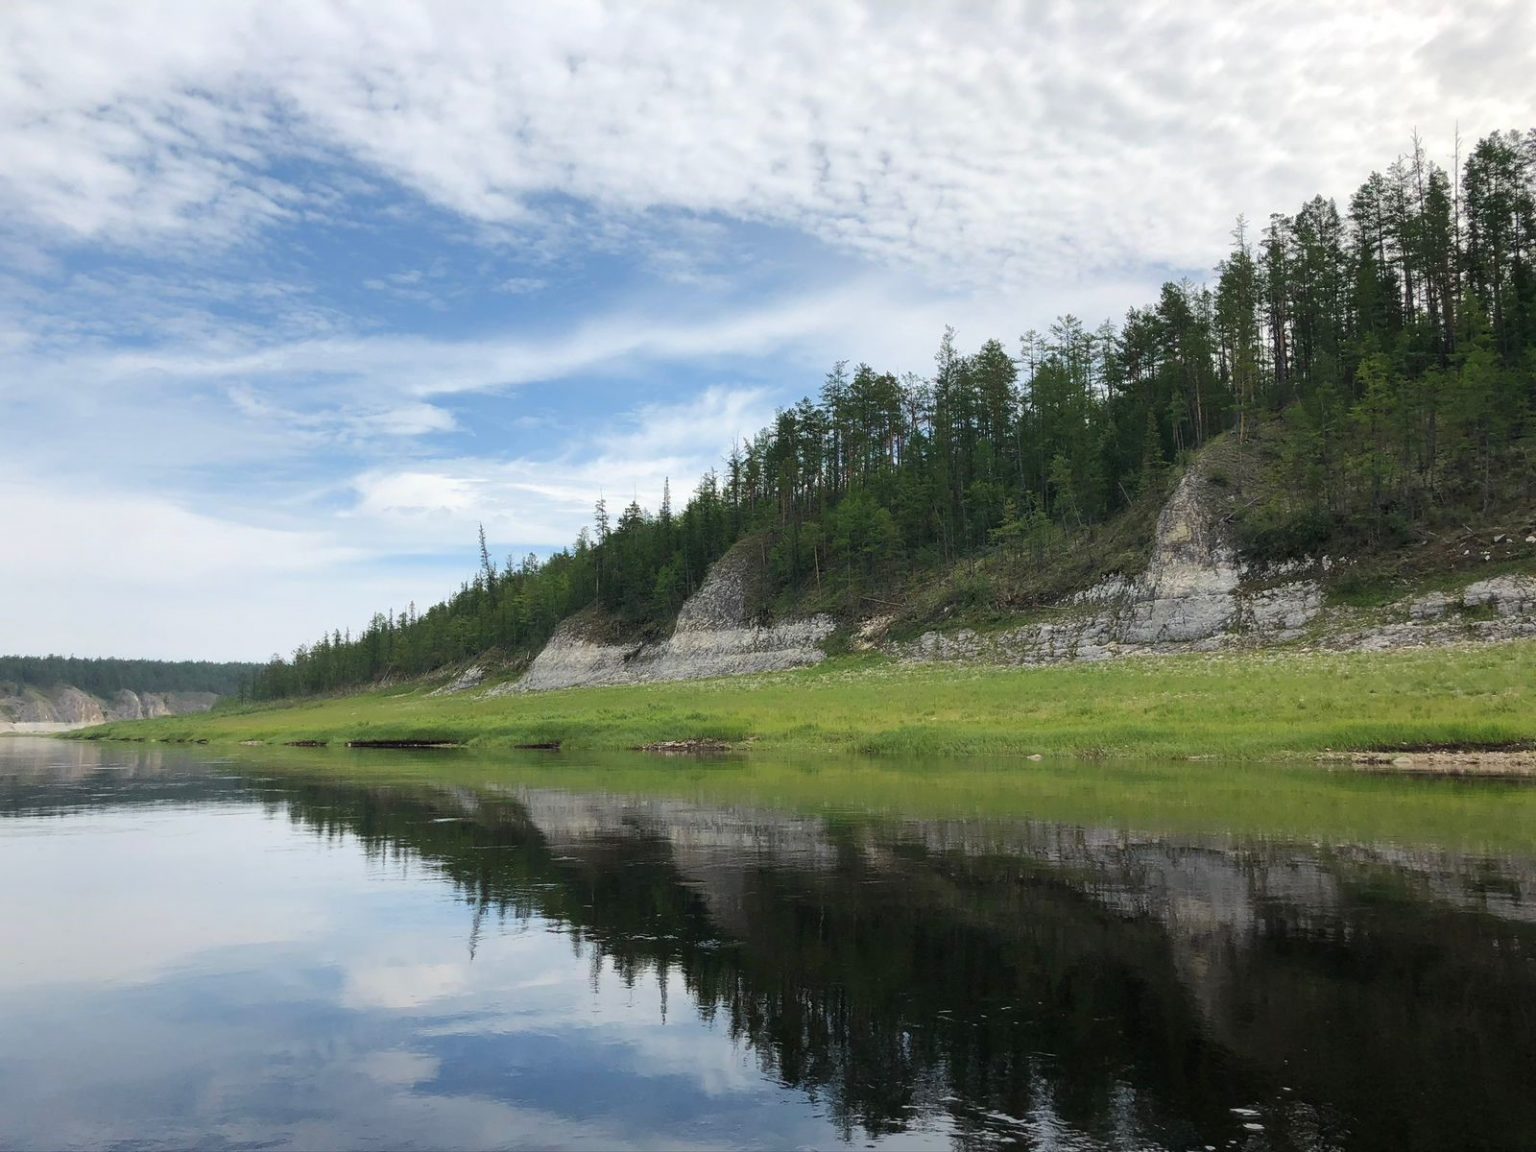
(103, 677)
(1384, 352)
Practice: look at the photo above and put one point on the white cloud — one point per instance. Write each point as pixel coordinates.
(522, 285)
(106, 574)
(143, 541)
(145, 575)
(1010, 140)
(421, 367)
(541, 502)
(183, 427)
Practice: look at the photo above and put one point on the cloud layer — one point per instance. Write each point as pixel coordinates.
(1016, 139)
(293, 293)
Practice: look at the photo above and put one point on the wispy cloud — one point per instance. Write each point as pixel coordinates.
(536, 501)
(292, 289)
(1016, 140)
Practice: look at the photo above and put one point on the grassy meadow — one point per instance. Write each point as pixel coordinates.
(1236, 705)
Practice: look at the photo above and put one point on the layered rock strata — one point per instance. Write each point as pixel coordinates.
(1195, 596)
(714, 636)
(59, 709)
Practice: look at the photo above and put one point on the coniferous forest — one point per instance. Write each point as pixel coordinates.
(104, 676)
(1383, 351)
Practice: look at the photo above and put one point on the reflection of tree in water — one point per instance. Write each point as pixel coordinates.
(891, 979)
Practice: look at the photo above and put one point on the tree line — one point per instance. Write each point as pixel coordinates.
(1387, 350)
(105, 676)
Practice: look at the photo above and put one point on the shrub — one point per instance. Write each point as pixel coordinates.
(1280, 532)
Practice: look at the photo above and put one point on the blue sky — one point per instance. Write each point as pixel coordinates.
(293, 295)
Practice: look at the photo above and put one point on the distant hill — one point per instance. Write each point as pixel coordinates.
(106, 677)
(25, 709)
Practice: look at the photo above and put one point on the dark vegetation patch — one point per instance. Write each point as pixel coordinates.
(685, 747)
(104, 677)
(429, 743)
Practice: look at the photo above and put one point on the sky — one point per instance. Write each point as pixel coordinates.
(295, 294)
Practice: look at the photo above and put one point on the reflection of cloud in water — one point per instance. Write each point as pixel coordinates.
(221, 975)
(131, 895)
(399, 1069)
(241, 1050)
(608, 970)
(492, 994)
(402, 985)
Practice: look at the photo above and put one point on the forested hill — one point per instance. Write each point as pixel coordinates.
(103, 677)
(1376, 361)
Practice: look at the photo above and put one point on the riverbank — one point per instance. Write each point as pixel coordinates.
(1236, 705)
(37, 727)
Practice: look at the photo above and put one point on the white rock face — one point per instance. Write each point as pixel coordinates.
(1188, 591)
(1506, 595)
(1432, 606)
(1505, 608)
(62, 708)
(712, 637)
(1190, 598)
(1193, 597)
(463, 682)
(570, 660)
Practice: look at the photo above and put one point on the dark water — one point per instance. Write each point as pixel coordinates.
(281, 952)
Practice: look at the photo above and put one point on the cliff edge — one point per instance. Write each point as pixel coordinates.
(1197, 596)
(28, 710)
(714, 636)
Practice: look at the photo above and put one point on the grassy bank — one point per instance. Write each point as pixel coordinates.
(1250, 705)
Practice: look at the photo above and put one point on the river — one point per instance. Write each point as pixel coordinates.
(283, 948)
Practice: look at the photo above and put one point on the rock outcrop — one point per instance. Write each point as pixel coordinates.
(714, 636)
(463, 682)
(1196, 596)
(26, 709)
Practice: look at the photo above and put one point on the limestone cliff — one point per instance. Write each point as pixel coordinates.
(26, 709)
(714, 636)
(1196, 596)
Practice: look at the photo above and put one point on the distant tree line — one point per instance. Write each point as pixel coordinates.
(103, 677)
(1388, 349)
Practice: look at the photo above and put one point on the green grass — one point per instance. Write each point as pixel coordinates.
(1246, 706)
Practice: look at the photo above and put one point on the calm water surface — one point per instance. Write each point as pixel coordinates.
(324, 949)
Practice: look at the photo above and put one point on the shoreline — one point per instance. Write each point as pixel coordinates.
(40, 727)
(1398, 705)
(1490, 763)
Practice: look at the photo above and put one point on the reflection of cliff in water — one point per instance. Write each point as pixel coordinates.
(46, 777)
(1016, 975)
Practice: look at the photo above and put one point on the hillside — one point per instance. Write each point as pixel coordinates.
(1358, 384)
(1420, 646)
(1192, 589)
(54, 693)
(25, 709)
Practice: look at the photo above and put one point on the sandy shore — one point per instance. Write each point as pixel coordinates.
(36, 727)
